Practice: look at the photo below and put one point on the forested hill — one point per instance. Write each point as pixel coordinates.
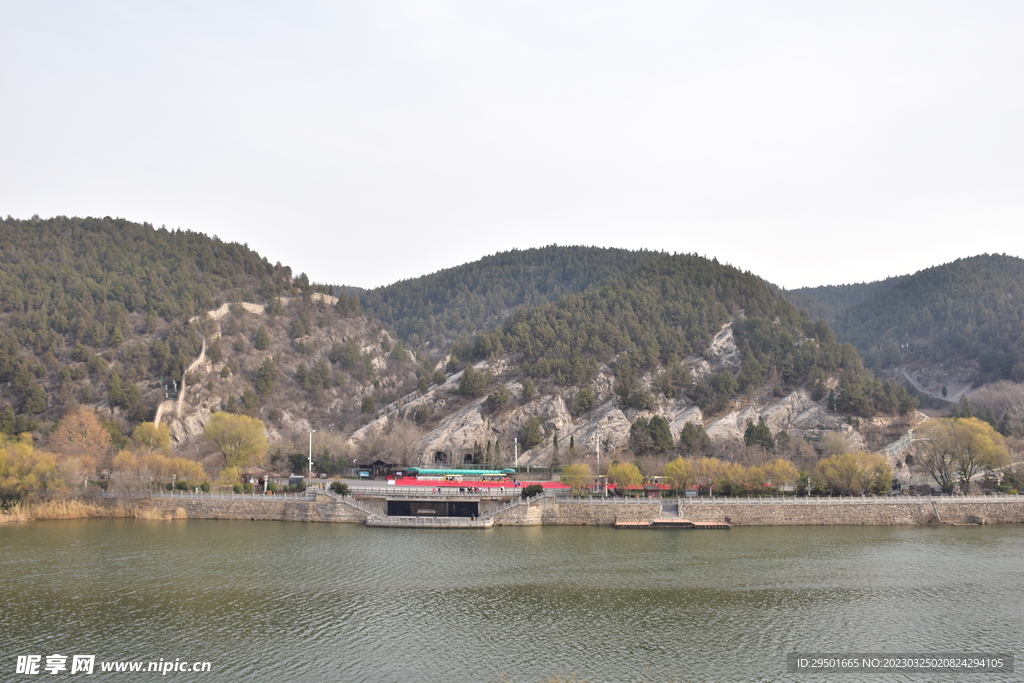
(78, 271)
(456, 302)
(972, 308)
(87, 302)
(651, 318)
(828, 301)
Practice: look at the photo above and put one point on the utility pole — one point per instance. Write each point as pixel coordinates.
(515, 445)
(311, 432)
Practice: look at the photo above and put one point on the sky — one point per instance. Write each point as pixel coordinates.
(368, 142)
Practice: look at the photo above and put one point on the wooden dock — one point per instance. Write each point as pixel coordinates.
(670, 523)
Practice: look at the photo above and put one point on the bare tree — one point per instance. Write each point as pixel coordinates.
(1005, 401)
(399, 444)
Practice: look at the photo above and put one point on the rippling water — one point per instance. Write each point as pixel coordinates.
(266, 601)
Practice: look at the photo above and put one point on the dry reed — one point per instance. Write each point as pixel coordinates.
(75, 508)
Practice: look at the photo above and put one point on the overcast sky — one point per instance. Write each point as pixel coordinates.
(368, 142)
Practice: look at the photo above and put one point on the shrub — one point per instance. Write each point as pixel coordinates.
(340, 488)
(181, 485)
(169, 486)
(273, 487)
(247, 487)
(532, 490)
(237, 488)
(205, 487)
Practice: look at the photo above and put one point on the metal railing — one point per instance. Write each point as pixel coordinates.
(876, 500)
(427, 491)
(794, 500)
(210, 495)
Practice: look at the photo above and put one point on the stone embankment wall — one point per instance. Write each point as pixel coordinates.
(816, 513)
(324, 509)
(980, 511)
(551, 511)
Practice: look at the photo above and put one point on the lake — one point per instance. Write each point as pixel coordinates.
(276, 601)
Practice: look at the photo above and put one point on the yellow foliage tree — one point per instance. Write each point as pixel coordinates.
(680, 474)
(149, 437)
(231, 475)
(780, 473)
(242, 439)
(706, 472)
(625, 475)
(25, 471)
(854, 474)
(131, 469)
(577, 476)
(954, 449)
(180, 468)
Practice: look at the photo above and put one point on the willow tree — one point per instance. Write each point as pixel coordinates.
(781, 473)
(25, 471)
(679, 473)
(242, 439)
(625, 475)
(577, 477)
(956, 449)
(854, 474)
(149, 437)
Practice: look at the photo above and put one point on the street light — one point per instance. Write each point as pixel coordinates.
(311, 432)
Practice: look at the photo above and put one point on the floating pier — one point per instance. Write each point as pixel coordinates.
(431, 522)
(670, 523)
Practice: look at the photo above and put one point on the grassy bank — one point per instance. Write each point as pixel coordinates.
(76, 508)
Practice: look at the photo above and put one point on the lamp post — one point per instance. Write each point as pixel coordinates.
(311, 432)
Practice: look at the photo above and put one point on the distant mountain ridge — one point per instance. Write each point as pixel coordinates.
(827, 301)
(969, 309)
(474, 297)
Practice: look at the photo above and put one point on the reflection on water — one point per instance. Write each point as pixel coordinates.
(340, 602)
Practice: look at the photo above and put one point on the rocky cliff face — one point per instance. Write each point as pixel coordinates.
(466, 425)
(235, 353)
(451, 426)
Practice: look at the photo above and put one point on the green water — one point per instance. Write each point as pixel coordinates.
(268, 601)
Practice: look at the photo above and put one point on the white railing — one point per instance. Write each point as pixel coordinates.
(210, 495)
(427, 491)
(834, 500)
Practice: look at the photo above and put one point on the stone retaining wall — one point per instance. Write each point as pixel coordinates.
(924, 512)
(599, 514)
(550, 511)
(261, 508)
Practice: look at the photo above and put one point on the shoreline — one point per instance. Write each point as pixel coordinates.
(549, 510)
